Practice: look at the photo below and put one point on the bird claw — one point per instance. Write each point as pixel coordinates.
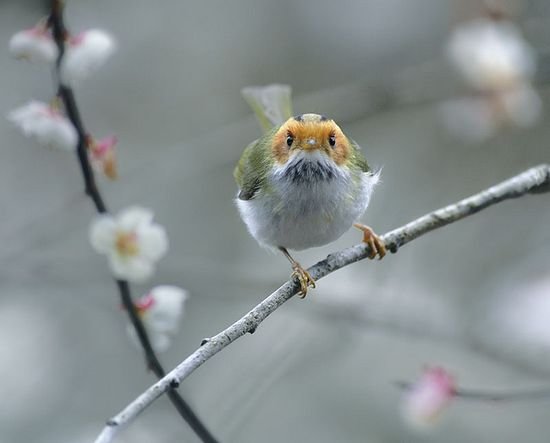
(304, 278)
(376, 245)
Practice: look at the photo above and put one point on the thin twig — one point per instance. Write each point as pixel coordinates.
(483, 395)
(534, 180)
(66, 94)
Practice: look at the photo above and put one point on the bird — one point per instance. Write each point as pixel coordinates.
(303, 184)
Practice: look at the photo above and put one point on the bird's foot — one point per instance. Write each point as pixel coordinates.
(304, 278)
(376, 245)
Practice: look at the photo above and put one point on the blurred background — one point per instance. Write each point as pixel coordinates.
(473, 297)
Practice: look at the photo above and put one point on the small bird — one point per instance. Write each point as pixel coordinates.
(304, 184)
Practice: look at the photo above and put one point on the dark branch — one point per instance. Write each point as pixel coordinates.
(483, 395)
(66, 94)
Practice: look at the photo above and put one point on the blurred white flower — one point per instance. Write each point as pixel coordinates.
(46, 124)
(427, 398)
(522, 106)
(161, 311)
(475, 119)
(85, 54)
(102, 155)
(132, 242)
(491, 55)
(35, 45)
(271, 104)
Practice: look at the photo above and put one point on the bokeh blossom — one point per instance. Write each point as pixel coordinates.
(498, 64)
(491, 55)
(425, 400)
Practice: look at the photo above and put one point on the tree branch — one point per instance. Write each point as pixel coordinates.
(534, 180)
(495, 396)
(66, 94)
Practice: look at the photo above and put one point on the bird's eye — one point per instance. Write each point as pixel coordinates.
(332, 140)
(289, 140)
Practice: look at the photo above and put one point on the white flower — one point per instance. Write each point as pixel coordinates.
(132, 242)
(428, 397)
(475, 119)
(85, 54)
(46, 124)
(491, 55)
(35, 44)
(161, 311)
(522, 106)
(271, 104)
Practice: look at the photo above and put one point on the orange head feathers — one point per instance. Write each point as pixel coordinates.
(309, 133)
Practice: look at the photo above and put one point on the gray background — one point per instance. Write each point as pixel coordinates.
(318, 370)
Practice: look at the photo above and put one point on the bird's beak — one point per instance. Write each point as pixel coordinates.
(310, 144)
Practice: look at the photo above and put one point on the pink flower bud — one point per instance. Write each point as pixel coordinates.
(428, 397)
(103, 156)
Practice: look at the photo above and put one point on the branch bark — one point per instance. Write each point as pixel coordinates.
(534, 180)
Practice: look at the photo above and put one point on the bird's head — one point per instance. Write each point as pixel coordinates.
(309, 134)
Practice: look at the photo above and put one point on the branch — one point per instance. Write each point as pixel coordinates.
(66, 94)
(495, 396)
(534, 180)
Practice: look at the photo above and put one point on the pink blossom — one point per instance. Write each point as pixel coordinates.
(102, 155)
(428, 397)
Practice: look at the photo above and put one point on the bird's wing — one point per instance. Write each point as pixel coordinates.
(251, 171)
(360, 159)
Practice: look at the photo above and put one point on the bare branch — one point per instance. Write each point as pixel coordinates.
(534, 180)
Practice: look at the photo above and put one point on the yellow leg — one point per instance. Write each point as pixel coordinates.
(375, 243)
(305, 279)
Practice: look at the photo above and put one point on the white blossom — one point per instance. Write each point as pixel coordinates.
(427, 398)
(85, 54)
(491, 55)
(475, 119)
(160, 311)
(46, 124)
(271, 104)
(131, 241)
(35, 44)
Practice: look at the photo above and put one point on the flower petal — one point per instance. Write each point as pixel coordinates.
(85, 55)
(167, 309)
(153, 241)
(34, 45)
(102, 233)
(159, 341)
(134, 269)
(129, 219)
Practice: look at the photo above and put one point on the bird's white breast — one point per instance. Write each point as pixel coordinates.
(308, 202)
